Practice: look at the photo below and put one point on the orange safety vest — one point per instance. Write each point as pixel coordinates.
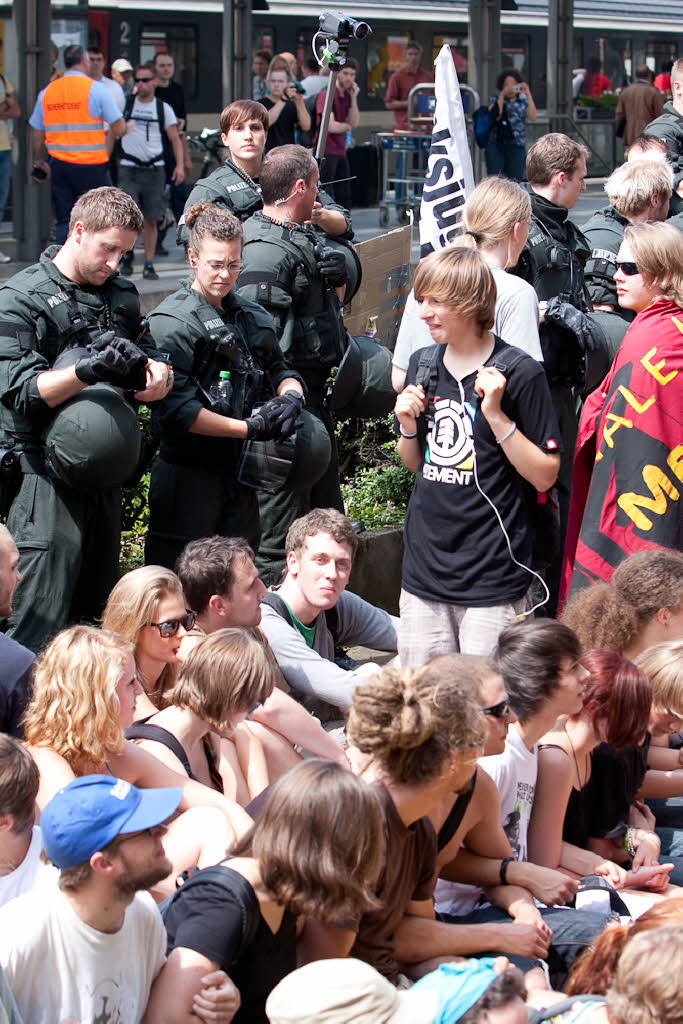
(71, 134)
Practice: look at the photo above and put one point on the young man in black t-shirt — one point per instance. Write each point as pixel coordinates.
(172, 93)
(490, 426)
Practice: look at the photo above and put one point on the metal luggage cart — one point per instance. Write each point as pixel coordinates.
(404, 157)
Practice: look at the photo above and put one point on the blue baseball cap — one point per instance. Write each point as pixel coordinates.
(459, 986)
(91, 811)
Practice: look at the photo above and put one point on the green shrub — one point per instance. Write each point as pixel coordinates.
(375, 486)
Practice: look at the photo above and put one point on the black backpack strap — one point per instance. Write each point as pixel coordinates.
(552, 1012)
(278, 605)
(145, 731)
(427, 375)
(332, 620)
(236, 885)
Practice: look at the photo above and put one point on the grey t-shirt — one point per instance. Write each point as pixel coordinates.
(516, 320)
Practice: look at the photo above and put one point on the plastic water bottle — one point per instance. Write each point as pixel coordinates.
(221, 394)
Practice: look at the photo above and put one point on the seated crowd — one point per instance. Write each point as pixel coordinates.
(214, 804)
(183, 838)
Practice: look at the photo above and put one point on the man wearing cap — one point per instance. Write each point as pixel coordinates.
(68, 121)
(122, 72)
(90, 949)
(69, 367)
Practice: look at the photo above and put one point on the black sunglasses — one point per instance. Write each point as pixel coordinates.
(628, 268)
(144, 79)
(500, 710)
(171, 626)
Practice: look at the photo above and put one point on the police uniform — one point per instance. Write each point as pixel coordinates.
(553, 261)
(194, 490)
(233, 190)
(280, 272)
(669, 128)
(605, 233)
(67, 536)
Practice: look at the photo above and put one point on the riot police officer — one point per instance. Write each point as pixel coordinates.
(235, 186)
(289, 269)
(207, 330)
(69, 358)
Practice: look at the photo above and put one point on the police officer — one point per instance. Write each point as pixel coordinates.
(206, 329)
(68, 120)
(638, 191)
(235, 185)
(669, 126)
(288, 267)
(552, 261)
(70, 436)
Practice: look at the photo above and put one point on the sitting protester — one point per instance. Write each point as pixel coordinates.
(222, 584)
(312, 612)
(305, 855)
(90, 948)
(21, 866)
(647, 986)
(147, 607)
(204, 730)
(641, 606)
(415, 734)
(84, 697)
(616, 700)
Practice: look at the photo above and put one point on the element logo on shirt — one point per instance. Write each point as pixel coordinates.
(450, 443)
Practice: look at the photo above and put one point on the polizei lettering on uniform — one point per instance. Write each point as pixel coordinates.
(237, 187)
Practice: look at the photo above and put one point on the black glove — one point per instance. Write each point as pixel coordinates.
(113, 360)
(263, 425)
(288, 409)
(331, 264)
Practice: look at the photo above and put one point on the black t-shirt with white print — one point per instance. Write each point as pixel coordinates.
(455, 550)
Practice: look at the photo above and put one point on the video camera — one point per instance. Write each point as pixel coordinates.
(337, 25)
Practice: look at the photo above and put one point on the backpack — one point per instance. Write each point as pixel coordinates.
(127, 111)
(543, 507)
(481, 124)
(279, 606)
(233, 882)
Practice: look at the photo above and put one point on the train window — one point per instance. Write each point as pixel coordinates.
(181, 42)
(514, 53)
(385, 55)
(263, 38)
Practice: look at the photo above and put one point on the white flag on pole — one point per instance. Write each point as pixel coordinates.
(449, 178)
(448, 182)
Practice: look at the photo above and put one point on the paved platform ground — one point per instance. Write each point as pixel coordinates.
(172, 269)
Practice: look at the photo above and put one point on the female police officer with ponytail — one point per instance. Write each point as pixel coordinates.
(205, 329)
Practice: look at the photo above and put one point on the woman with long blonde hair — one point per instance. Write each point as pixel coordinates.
(84, 695)
(495, 221)
(147, 607)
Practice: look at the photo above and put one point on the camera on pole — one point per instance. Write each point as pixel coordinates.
(337, 30)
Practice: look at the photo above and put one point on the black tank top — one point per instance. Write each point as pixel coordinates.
(456, 814)
(157, 733)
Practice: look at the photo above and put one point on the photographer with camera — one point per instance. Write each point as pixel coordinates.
(286, 108)
(509, 112)
(70, 361)
(208, 331)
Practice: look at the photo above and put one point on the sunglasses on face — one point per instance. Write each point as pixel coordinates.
(628, 268)
(500, 710)
(171, 626)
(144, 79)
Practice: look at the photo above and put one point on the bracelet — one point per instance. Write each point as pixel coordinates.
(403, 433)
(509, 433)
(628, 841)
(504, 869)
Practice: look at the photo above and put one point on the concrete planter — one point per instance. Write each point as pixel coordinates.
(376, 574)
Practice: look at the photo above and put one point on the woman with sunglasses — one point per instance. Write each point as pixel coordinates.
(203, 731)
(84, 696)
(147, 607)
(570, 799)
(625, 469)
(207, 330)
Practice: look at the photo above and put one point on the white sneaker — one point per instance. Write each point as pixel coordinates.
(4, 258)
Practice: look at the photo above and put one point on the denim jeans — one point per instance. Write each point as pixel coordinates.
(508, 159)
(5, 174)
(69, 182)
(572, 930)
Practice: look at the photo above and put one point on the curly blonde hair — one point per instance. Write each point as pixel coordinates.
(131, 606)
(74, 709)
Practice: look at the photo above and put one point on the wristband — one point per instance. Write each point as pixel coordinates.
(628, 841)
(509, 433)
(403, 433)
(504, 869)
